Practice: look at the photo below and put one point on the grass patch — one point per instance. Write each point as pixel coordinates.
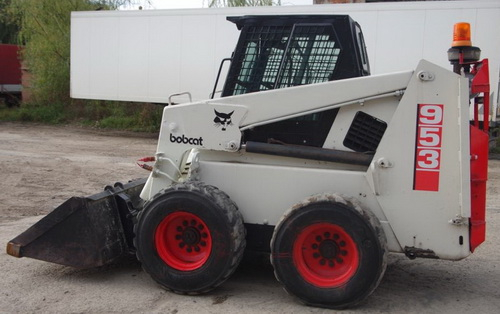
(53, 114)
(126, 123)
(123, 116)
(496, 146)
(139, 117)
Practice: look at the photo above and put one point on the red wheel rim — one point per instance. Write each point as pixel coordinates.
(183, 241)
(325, 255)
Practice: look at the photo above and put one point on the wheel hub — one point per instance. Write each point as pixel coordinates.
(328, 249)
(183, 241)
(190, 236)
(325, 254)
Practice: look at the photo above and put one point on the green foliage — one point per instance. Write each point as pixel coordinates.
(495, 140)
(241, 3)
(98, 114)
(44, 30)
(45, 33)
(53, 114)
(8, 27)
(124, 116)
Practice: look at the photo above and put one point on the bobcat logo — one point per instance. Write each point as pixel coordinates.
(223, 119)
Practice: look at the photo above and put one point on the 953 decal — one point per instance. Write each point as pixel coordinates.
(428, 147)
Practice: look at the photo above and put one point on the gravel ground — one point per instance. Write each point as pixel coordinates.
(42, 166)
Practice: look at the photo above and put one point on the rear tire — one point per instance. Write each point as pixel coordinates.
(329, 253)
(190, 238)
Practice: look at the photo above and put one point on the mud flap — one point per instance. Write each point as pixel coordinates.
(84, 232)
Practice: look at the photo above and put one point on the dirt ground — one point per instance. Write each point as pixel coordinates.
(41, 166)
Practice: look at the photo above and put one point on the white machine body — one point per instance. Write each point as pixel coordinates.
(417, 184)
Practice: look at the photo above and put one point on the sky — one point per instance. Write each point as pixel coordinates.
(181, 4)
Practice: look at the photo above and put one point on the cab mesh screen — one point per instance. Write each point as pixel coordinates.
(284, 56)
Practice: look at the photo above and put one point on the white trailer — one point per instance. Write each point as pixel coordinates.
(146, 56)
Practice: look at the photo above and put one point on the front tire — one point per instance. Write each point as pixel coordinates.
(329, 253)
(190, 238)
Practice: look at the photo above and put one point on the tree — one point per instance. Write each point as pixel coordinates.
(8, 27)
(44, 30)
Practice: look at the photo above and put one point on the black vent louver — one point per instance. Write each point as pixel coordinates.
(365, 133)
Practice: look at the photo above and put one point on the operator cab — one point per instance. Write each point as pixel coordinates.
(284, 51)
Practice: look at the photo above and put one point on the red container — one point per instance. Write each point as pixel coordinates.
(10, 66)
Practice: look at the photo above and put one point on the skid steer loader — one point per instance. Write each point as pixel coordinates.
(305, 156)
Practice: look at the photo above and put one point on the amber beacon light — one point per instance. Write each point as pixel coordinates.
(462, 51)
(461, 35)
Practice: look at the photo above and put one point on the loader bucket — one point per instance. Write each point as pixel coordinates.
(84, 232)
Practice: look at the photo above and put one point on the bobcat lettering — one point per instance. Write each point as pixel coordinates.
(186, 140)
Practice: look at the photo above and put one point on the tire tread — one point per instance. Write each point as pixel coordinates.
(229, 208)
